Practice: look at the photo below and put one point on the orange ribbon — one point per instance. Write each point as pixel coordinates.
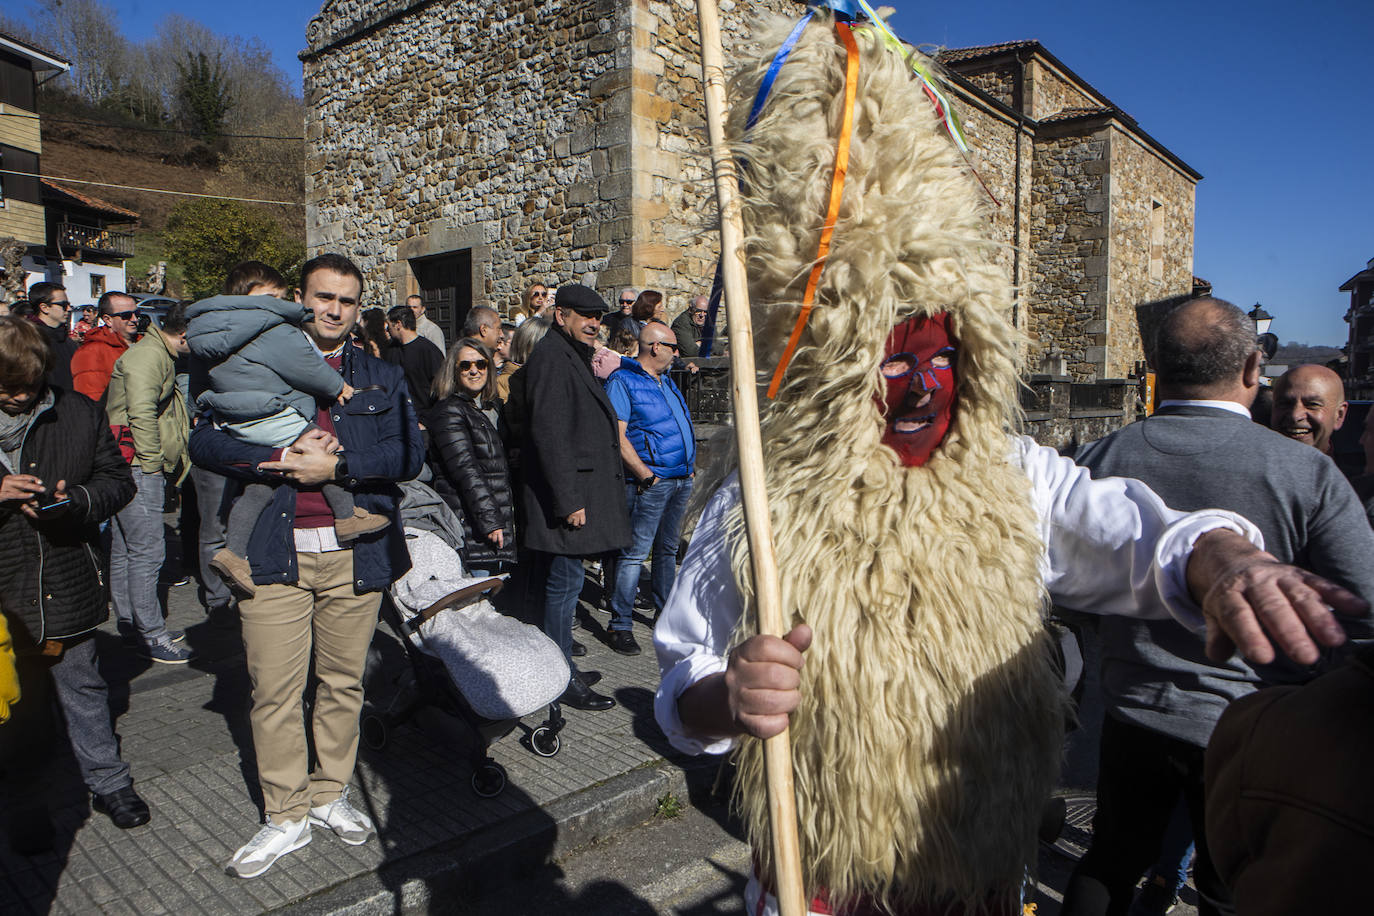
(832, 215)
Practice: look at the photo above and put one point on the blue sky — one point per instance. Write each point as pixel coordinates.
(1268, 100)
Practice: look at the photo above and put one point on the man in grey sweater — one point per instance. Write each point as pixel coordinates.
(1163, 696)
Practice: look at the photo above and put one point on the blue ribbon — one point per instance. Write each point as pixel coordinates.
(845, 11)
(778, 60)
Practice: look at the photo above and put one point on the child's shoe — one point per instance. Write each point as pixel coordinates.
(362, 522)
(235, 571)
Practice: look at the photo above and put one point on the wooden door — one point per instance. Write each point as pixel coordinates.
(445, 283)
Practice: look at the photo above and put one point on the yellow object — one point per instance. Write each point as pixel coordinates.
(9, 675)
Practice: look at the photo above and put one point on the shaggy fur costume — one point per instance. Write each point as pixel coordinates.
(930, 723)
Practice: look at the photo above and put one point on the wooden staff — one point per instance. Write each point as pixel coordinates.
(777, 753)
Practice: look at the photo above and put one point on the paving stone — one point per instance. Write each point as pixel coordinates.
(188, 767)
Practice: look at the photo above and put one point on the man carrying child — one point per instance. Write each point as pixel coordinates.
(316, 595)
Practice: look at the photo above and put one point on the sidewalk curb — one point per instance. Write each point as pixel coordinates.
(479, 862)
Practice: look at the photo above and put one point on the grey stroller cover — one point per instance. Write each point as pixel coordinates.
(505, 669)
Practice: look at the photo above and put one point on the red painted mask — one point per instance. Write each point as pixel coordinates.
(918, 369)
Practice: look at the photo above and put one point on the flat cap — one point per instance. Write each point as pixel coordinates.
(581, 299)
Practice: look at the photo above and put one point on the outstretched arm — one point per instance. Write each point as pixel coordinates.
(1251, 601)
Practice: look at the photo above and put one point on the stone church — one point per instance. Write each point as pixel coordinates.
(464, 149)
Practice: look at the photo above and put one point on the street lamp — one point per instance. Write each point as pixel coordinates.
(1261, 319)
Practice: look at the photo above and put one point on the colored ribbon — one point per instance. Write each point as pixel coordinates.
(832, 215)
(779, 59)
(943, 108)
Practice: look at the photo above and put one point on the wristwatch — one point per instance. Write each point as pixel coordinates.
(648, 482)
(341, 468)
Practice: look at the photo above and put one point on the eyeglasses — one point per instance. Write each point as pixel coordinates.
(64, 304)
(465, 364)
(664, 343)
(124, 316)
(698, 311)
(627, 302)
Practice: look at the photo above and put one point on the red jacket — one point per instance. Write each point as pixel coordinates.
(94, 361)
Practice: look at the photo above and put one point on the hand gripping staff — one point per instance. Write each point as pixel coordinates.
(782, 802)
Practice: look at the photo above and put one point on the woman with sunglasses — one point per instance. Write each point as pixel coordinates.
(467, 456)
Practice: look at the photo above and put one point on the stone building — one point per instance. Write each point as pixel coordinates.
(462, 150)
(1360, 347)
(1098, 214)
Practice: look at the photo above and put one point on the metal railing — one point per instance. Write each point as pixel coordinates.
(94, 239)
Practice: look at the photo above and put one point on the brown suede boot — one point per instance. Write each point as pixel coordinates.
(362, 522)
(235, 571)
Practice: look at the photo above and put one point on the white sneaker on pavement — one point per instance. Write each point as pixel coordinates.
(348, 823)
(267, 846)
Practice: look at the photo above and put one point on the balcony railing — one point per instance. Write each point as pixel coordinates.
(93, 240)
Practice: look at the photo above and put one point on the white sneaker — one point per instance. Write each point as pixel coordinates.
(348, 823)
(267, 846)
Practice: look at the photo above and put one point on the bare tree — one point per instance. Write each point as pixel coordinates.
(86, 33)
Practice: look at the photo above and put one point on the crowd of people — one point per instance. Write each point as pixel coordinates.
(559, 438)
(291, 420)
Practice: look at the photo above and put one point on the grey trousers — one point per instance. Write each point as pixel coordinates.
(84, 698)
(209, 495)
(137, 549)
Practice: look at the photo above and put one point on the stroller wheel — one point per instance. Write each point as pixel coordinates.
(489, 780)
(544, 741)
(373, 731)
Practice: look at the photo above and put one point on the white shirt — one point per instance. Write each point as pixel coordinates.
(1198, 402)
(1111, 547)
(431, 332)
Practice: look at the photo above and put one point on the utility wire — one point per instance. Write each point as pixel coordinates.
(154, 130)
(126, 187)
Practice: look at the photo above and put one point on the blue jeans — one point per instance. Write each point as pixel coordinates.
(655, 524)
(209, 496)
(562, 586)
(137, 549)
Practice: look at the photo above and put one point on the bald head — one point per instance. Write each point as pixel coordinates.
(1309, 405)
(657, 347)
(1205, 350)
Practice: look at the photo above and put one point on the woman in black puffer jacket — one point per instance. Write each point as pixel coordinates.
(469, 462)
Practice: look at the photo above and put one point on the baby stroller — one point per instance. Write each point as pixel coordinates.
(482, 667)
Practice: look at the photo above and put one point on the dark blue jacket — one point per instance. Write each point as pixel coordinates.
(383, 444)
(667, 449)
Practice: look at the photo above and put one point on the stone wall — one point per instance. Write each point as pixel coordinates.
(559, 141)
(998, 81)
(673, 241)
(1068, 245)
(1142, 185)
(1048, 92)
(489, 132)
(1000, 145)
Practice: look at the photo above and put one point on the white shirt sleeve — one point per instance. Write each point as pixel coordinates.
(693, 633)
(1111, 545)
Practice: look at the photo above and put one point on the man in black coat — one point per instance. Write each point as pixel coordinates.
(62, 476)
(573, 488)
(50, 310)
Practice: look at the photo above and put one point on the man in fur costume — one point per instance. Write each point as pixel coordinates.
(918, 540)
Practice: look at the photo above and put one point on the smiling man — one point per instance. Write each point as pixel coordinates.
(315, 598)
(1309, 405)
(572, 489)
(94, 360)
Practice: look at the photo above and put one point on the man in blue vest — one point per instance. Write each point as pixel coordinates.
(659, 451)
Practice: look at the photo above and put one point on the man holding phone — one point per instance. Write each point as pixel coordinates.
(62, 476)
